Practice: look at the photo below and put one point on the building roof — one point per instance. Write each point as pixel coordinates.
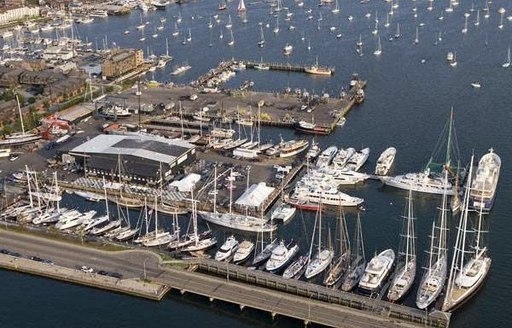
(152, 148)
(255, 195)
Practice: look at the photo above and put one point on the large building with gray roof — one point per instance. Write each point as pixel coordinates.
(134, 158)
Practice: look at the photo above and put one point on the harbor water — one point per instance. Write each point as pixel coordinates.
(410, 91)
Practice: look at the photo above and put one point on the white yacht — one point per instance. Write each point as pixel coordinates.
(326, 156)
(292, 147)
(328, 195)
(342, 157)
(227, 249)
(358, 159)
(283, 212)
(314, 150)
(281, 256)
(385, 161)
(483, 186)
(377, 270)
(243, 252)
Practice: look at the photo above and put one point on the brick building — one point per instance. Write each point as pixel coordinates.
(121, 61)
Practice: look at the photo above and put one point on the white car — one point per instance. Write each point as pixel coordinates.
(193, 97)
(87, 269)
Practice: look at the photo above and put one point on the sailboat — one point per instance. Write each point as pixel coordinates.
(176, 31)
(417, 38)
(199, 242)
(261, 42)
(357, 264)
(406, 267)
(323, 256)
(465, 28)
(336, 8)
(229, 24)
(339, 267)
(232, 220)
(477, 21)
(471, 262)
(157, 237)
(232, 40)
(276, 29)
(434, 276)
(14, 139)
(241, 7)
(223, 5)
(378, 51)
(431, 179)
(397, 33)
(507, 63)
(453, 63)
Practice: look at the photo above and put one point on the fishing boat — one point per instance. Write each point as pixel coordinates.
(281, 256)
(325, 158)
(340, 265)
(323, 256)
(470, 262)
(385, 161)
(377, 270)
(430, 180)
(406, 263)
(243, 252)
(315, 69)
(311, 127)
(485, 182)
(357, 263)
(357, 160)
(434, 275)
(227, 250)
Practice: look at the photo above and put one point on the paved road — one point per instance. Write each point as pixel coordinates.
(128, 263)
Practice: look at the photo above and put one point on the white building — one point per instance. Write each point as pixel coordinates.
(13, 14)
(254, 196)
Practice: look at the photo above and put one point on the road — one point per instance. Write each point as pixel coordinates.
(128, 263)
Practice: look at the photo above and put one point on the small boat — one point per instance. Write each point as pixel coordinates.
(243, 252)
(385, 161)
(265, 253)
(297, 268)
(283, 212)
(314, 150)
(227, 250)
(476, 85)
(287, 50)
(506, 64)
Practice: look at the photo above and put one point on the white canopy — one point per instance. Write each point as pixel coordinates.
(255, 195)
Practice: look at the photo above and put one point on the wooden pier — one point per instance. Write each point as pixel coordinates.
(295, 299)
(278, 191)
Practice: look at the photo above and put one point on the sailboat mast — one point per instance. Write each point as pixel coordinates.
(320, 227)
(230, 190)
(106, 199)
(449, 142)
(313, 236)
(21, 116)
(215, 189)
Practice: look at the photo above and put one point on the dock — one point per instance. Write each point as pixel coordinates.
(278, 191)
(286, 67)
(146, 274)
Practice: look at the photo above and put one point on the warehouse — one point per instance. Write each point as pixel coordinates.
(140, 159)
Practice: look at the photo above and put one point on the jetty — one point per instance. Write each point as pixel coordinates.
(145, 274)
(286, 67)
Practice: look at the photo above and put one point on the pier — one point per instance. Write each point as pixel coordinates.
(215, 280)
(286, 67)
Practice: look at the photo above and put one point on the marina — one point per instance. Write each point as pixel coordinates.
(186, 154)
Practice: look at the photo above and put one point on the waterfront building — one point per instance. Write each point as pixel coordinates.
(121, 61)
(133, 158)
(9, 14)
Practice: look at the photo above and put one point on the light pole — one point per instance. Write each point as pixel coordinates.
(138, 93)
